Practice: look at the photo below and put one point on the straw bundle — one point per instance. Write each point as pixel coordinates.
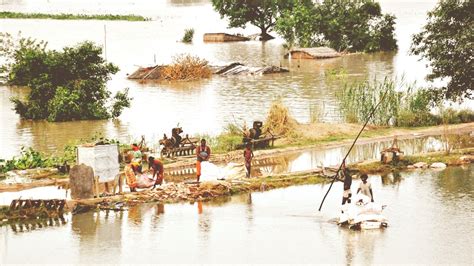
(186, 67)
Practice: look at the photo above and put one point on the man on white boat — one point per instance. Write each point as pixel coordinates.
(346, 196)
(365, 187)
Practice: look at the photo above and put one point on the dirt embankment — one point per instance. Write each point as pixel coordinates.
(324, 135)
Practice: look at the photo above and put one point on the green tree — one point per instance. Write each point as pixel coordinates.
(447, 41)
(344, 25)
(260, 13)
(65, 85)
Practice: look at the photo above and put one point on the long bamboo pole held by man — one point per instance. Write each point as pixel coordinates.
(352, 146)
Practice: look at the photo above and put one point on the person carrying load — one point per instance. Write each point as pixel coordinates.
(158, 170)
(203, 152)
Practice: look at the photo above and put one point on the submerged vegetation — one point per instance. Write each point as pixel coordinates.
(188, 35)
(18, 15)
(407, 108)
(65, 85)
(186, 67)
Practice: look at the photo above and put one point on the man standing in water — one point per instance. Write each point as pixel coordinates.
(346, 196)
(203, 152)
(248, 155)
(365, 187)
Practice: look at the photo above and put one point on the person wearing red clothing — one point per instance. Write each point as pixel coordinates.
(158, 170)
(248, 155)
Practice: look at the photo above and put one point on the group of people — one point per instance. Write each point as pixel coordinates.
(365, 188)
(203, 153)
(155, 166)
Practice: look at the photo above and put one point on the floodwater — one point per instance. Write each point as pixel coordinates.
(429, 212)
(199, 107)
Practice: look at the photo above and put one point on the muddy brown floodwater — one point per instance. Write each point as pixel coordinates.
(199, 107)
(430, 222)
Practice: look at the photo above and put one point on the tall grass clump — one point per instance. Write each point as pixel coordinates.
(408, 108)
(186, 67)
(188, 35)
(358, 99)
(279, 121)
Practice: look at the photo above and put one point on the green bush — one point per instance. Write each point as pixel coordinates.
(407, 118)
(466, 115)
(65, 85)
(188, 35)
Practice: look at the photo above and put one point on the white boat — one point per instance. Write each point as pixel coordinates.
(363, 214)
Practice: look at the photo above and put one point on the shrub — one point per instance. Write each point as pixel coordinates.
(65, 85)
(188, 35)
(407, 118)
(466, 115)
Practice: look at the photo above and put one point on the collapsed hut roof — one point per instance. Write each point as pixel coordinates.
(154, 73)
(313, 53)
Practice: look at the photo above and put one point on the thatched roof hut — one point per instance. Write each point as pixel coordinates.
(224, 37)
(147, 73)
(313, 53)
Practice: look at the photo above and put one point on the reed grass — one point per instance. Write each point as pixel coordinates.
(63, 16)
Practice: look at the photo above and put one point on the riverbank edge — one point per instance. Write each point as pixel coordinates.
(334, 140)
(376, 135)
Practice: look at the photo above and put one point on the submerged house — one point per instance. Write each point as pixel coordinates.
(224, 37)
(313, 53)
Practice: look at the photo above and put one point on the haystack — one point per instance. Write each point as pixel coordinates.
(279, 120)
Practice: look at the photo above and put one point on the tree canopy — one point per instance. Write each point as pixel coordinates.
(260, 13)
(344, 25)
(65, 85)
(447, 42)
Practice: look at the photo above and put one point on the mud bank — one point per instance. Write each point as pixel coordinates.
(425, 160)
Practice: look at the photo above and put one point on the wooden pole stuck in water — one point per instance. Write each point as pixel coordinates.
(352, 146)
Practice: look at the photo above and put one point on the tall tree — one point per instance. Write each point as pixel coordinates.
(345, 25)
(447, 41)
(260, 13)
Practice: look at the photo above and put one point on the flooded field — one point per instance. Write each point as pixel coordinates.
(434, 208)
(199, 107)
